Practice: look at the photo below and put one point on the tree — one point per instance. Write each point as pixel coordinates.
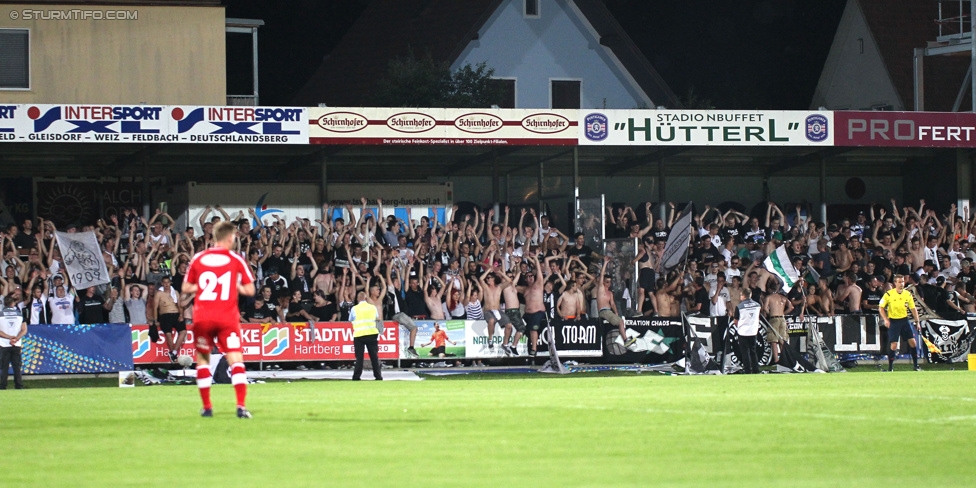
(422, 82)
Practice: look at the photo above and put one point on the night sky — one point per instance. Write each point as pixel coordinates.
(747, 54)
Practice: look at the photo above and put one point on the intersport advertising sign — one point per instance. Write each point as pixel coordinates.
(153, 124)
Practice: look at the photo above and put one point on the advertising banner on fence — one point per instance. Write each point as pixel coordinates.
(705, 128)
(432, 334)
(153, 124)
(59, 349)
(325, 341)
(239, 125)
(84, 123)
(477, 340)
(437, 126)
(905, 129)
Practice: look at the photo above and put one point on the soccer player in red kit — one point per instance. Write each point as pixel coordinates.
(217, 276)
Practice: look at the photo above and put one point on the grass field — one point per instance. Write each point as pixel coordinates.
(856, 429)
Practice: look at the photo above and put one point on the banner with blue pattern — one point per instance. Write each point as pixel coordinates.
(59, 349)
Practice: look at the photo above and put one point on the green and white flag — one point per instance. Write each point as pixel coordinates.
(780, 265)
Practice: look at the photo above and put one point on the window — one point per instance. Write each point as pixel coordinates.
(14, 59)
(532, 8)
(565, 93)
(505, 92)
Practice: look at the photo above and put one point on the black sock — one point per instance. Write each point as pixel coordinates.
(891, 359)
(914, 353)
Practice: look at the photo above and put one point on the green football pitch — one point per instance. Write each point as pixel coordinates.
(856, 429)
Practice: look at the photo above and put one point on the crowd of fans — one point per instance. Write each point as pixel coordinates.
(424, 269)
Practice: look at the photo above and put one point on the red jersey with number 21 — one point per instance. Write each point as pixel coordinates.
(217, 272)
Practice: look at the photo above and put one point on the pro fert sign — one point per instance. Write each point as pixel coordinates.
(906, 129)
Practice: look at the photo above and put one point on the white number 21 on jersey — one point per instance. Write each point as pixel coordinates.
(209, 282)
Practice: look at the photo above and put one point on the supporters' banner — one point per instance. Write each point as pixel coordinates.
(454, 332)
(676, 248)
(851, 337)
(59, 349)
(731, 362)
(854, 334)
(85, 123)
(780, 265)
(437, 126)
(800, 330)
(323, 341)
(953, 339)
(658, 340)
(573, 339)
(704, 328)
(238, 125)
(790, 361)
(83, 258)
(796, 327)
(477, 340)
(905, 129)
(706, 128)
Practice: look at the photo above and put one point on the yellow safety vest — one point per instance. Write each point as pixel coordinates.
(365, 323)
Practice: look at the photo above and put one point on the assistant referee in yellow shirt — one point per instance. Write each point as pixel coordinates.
(893, 309)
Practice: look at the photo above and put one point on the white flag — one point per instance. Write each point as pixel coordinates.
(83, 259)
(780, 265)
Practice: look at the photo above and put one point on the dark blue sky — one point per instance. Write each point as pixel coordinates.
(747, 54)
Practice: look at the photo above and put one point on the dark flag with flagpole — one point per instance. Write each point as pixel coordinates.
(676, 249)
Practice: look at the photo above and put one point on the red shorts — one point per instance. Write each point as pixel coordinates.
(226, 336)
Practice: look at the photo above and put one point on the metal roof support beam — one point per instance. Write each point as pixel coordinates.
(962, 89)
(823, 187)
(324, 183)
(918, 64)
(661, 196)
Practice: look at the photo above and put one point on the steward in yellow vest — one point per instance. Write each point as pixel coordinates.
(365, 336)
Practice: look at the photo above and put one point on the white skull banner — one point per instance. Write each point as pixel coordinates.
(83, 259)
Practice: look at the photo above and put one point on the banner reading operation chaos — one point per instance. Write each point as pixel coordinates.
(153, 124)
(705, 128)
